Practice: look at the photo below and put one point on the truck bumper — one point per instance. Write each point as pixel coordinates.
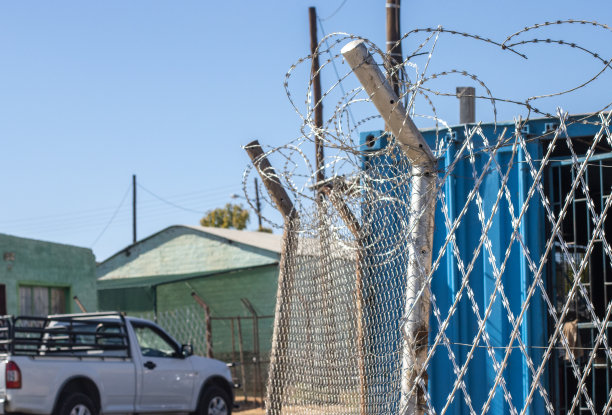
(2, 402)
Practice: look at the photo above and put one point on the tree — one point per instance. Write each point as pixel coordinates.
(229, 216)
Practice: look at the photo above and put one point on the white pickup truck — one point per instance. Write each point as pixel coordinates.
(104, 363)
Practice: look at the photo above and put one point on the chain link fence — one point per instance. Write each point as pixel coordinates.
(242, 342)
(517, 294)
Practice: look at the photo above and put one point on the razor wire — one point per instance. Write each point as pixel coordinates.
(338, 338)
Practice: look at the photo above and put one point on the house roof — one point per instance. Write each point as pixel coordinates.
(185, 250)
(268, 241)
(157, 280)
(262, 240)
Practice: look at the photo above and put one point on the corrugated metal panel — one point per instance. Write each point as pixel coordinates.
(516, 278)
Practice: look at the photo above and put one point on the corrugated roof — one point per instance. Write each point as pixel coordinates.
(185, 250)
(114, 283)
(262, 240)
(272, 242)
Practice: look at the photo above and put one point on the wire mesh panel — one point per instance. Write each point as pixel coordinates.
(518, 296)
(186, 324)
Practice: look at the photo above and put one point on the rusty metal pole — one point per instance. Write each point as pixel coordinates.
(242, 369)
(208, 322)
(233, 347)
(258, 390)
(276, 384)
(79, 304)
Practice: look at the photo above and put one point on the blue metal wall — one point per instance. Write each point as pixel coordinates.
(516, 280)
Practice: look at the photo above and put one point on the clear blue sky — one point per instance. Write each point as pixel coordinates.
(93, 92)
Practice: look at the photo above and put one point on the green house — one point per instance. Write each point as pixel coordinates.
(234, 272)
(39, 278)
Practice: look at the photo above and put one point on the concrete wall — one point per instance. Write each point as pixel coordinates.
(39, 263)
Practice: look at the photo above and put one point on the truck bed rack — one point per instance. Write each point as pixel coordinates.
(82, 335)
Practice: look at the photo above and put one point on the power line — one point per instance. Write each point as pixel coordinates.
(92, 214)
(336, 11)
(167, 201)
(151, 209)
(127, 191)
(336, 69)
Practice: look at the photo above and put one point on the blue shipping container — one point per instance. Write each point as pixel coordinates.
(485, 246)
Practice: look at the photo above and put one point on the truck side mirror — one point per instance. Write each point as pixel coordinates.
(186, 350)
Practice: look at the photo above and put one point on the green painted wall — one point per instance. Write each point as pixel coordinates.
(39, 263)
(222, 293)
(128, 299)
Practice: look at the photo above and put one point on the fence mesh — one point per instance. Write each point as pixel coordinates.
(518, 295)
(186, 324)
(244, 342)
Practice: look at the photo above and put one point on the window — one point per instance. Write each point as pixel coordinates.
(576, 244)
(41, 301)
(154, 343)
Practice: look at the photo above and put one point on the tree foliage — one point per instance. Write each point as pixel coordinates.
(229, 216)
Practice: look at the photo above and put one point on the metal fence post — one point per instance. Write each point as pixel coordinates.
(79, 304)
(256, 354)
(280, 336)
(207, 319)
(422, 197)
(242, 369)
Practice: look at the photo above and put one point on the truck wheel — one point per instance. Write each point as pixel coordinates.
(214, 401)
(77, 404)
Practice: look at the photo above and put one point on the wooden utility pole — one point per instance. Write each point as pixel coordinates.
(316, 92)
(394, 47)
(258, 205)
(134, 208)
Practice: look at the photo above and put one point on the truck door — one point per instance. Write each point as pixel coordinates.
(167, 378)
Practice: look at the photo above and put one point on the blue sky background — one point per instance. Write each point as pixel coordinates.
(93, 92)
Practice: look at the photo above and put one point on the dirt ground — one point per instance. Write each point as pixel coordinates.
(255, 411)
(248, 408)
